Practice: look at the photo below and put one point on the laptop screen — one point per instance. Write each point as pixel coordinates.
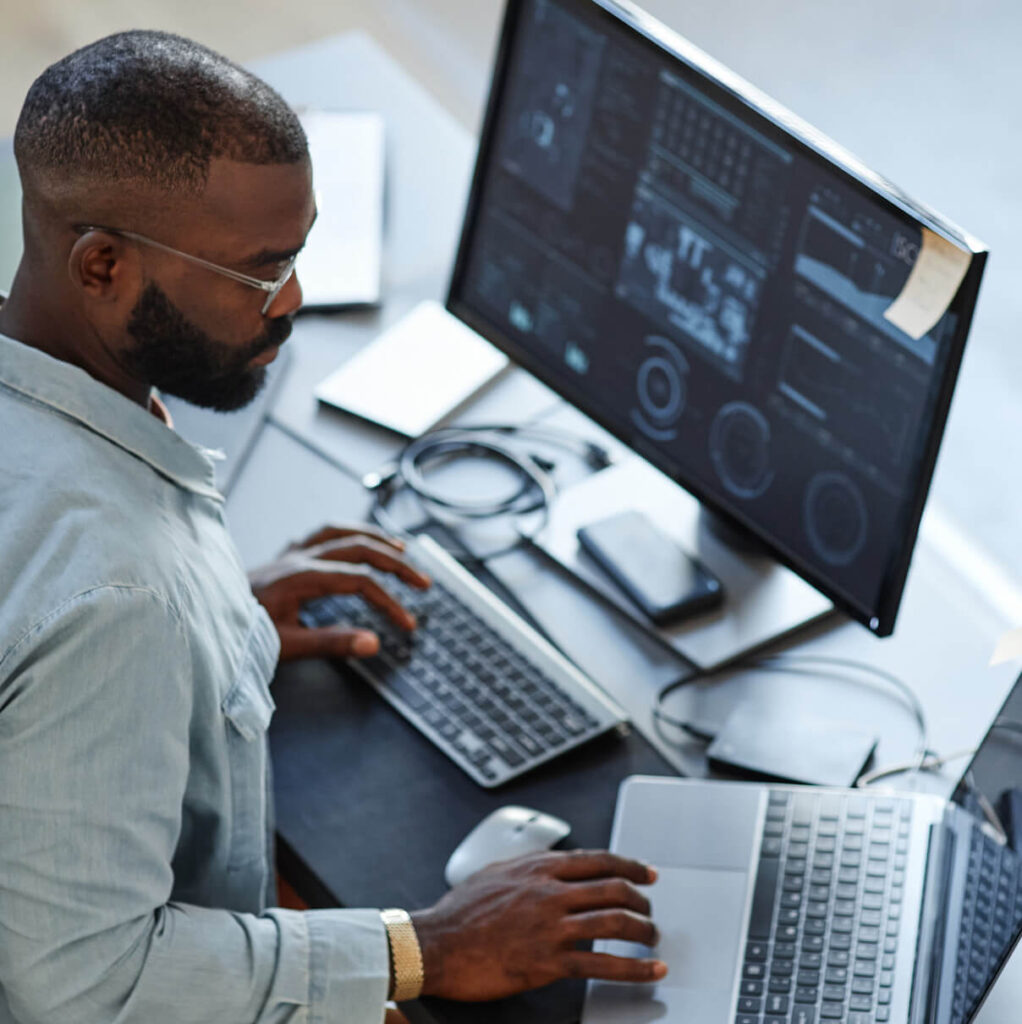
(991, 791)
(992, 783)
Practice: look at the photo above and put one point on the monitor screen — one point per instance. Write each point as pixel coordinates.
(707, 277)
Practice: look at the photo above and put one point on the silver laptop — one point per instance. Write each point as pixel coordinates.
(809, 906)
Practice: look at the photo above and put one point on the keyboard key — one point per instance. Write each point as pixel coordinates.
(505, 752)
(763, 900)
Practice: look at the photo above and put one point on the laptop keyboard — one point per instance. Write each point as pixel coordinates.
(991, 915)
(479, 698)
(826, 913)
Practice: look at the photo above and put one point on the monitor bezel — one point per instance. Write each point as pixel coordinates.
(816, 146)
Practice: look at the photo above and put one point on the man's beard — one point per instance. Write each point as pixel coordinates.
(179, 358)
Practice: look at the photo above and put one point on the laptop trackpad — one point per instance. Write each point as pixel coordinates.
(700, 913)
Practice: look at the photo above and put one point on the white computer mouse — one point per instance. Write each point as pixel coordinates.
(507, 832)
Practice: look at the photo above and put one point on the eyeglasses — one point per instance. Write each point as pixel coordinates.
(272, 288)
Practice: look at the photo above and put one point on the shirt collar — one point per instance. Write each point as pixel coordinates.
(70, 391)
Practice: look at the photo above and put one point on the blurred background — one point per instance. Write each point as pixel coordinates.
(925, 91)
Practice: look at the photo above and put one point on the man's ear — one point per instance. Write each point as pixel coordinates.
(105, 268)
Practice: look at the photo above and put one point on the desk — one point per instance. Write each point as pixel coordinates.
(368, 811)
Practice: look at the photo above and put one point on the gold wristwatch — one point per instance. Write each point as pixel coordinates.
(405, 955)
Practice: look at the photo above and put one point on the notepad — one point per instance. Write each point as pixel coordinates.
(341, 263)
(415, 373)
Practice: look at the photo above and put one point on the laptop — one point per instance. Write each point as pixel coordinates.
(804, 905)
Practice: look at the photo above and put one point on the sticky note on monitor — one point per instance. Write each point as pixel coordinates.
(1008, 647)
(935, 277)
(415, 373)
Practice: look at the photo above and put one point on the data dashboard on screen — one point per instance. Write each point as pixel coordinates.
(707, 277)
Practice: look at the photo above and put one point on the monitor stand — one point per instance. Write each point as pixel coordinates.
(765, 601)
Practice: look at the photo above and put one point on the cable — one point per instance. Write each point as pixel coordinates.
(802, 664)
(534, 493)
(930, 763)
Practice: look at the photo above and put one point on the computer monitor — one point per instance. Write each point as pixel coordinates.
(720, 287)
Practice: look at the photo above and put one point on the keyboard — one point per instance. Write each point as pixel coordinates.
(474, 678)
(823, 933)
(991, 916)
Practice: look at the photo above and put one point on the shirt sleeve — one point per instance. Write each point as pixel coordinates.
(94, 759)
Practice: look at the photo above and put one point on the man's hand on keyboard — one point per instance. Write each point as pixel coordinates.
(333, 561)
(515, 925)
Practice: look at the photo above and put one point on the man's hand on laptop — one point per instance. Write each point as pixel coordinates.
(333, 560)
(516, 925)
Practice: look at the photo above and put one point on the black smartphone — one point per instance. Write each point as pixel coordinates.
(664, 581)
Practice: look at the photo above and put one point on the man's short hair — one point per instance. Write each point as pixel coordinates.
(151, 108)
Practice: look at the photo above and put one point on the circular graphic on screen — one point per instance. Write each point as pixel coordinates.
(661, 385)
(836, 518)
(740, 449)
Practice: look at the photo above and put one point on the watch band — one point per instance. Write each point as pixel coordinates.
(405, 955)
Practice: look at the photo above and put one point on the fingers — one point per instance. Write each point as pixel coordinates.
(331, 533)
(369, 551)
(612, 924)
(583, 864)
(606, 893)
(326, 642)
(613, 968)
(335, 579)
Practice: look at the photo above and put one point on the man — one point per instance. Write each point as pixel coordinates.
(166, 193)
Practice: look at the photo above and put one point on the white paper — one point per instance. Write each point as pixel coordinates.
(340, 264)
(931, 285)
(415, 373)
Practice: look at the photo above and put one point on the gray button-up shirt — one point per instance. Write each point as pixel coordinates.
(135, 864)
